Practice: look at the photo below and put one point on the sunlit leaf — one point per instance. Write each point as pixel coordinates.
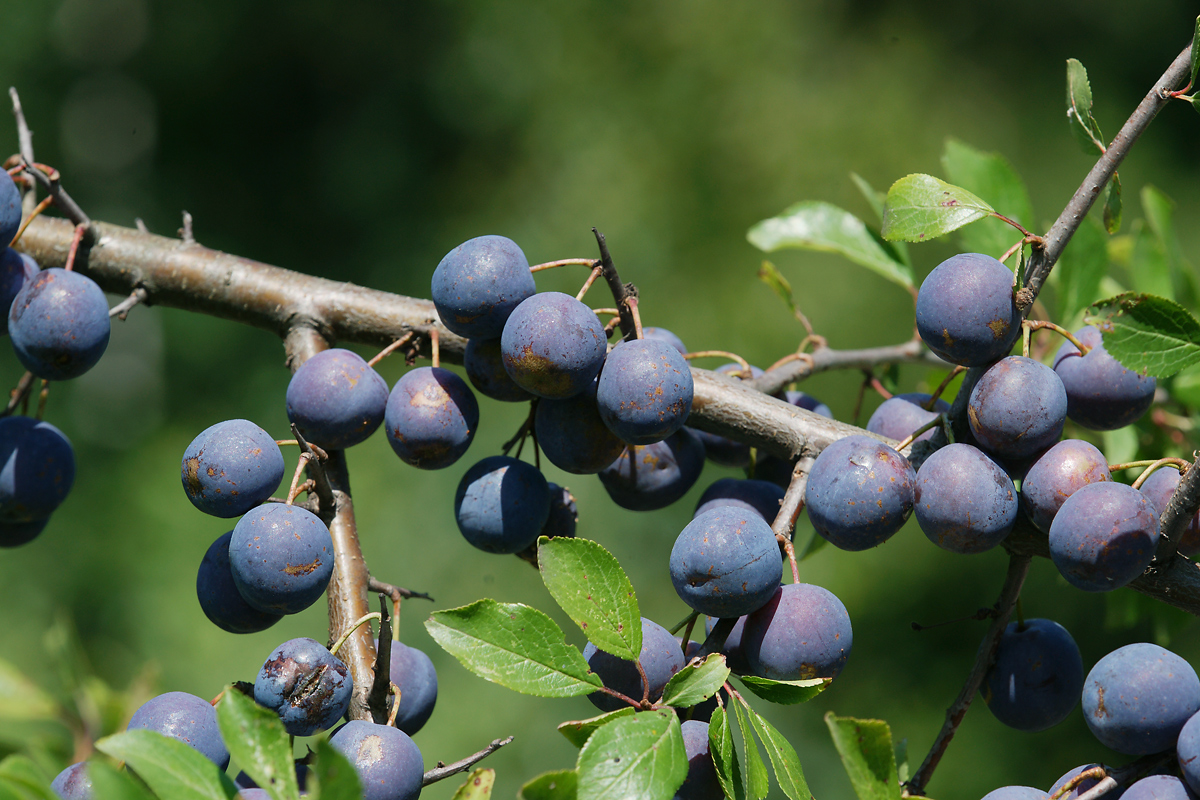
(990, 176)
(757, 784)
(478, 785)
(865, 746)
(692, 685)
(578, 731)
(1148, 334)
(587, 582)
(560, 785)
(1079, 109)
(922, 207)
(725, 758)
(784, 761)
(785, 692)
(331, 776)
(168, 766)
(634, 758)
(1112, 205)
(258, 743)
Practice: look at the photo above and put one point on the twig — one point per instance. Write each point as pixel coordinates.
(442, 771)
(50, 181)
(562, 262)
(394, 592)
(784, 525)
(25, 144)
(391, 348)
(825, 358)
(121, 310)
(186, 233)
(621, 292)
(595, 273)
(745, 371)
(80, 231)
(435, 354)
(1018, 568)
(30, 216)
(18, 394)
(933, 398)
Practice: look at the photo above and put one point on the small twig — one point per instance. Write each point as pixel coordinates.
(394, 592)
(793, 500)
(716, 637)
(933, 398)
(1153, 466)
(632, 303)
(879, 388)
(140, 224)
(324, 490)
(297, 487)
(121, 310)
(612, 312)
(353, 627)
(1039, 324)
(1032, 238)
(435, 353)
(1183, 505)
(745, 372)
(394, 690)
(522, 432)
(80, 230)
(1097, 772)
(687, 630)
(1009, 252)
(442, 771)
(25, 143)
(637, 662)
(391, 348)
(43, 395)
(18, 394)
(677, 627)
(30, 217)
(382, 682)
(186, 233)
(562, 262)
(936, 422)
(595, 273)
(49, 180)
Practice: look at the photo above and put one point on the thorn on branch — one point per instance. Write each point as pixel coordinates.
(186, 233)
(395, 592)
(382, 684)
(121, 310)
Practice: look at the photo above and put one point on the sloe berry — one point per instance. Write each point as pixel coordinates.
(660, 657)
(431, 417)
(1017, 408)
(726, 562)
(553, 345)
(37, 469)
(336, 399)
(1103, 536)
(307, 686)
(645, 391)
(477, 285)
(230, 468)
(965, 503)
(502, 504)
(966, 312)
(649, 477)
(1036, 677)
(803, 631)
(1101, 393)
(187, 718)
(859, 492)
(281, 558)
(219, 597)
(58, 324)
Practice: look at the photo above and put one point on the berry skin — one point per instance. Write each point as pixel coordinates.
(553, 345)
(660, 656)
(431, 417)
(1187, 751)
(701, 782)
(1103, 536)
(859, 493)
(336, 399)
(187, 718)
(15, 271)
(726, 562)
(388, 763)
(485, 369)
(478, 284)
(573, 436)
(1058, 474)
(1016, 793)
(802, 632)
(1158, 488)
(1159, 787)
(73, 783)
(230, 468)
(15, 534)
(1037, 675)
(305, 685)
(413, 672)
(965, 503)
(58, 324)
(37, 470)
(564, 515)
(761, 497)
(502, 504)
(645, 391)
(966, 312)
(664, 335)
(219, 597)
(735, 655)
(654, 476)
(1138, 697)
(281, 558)
(902, 414)
(1017, 408)
(10, 209)
(1101, 394)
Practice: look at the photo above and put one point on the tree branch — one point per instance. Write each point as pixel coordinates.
(1183, 505)
(442, 771)
(826, 358)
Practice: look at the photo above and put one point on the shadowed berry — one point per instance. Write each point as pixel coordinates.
(1057, 475)
(564, 515)
(10, 209)
(645, 391)
(899, 416)
(660, 657)
(502, 504)
(965, 503)
(859, 493)
(336, 399)
(1103, 536)
(653, 476)
(1158, 488)
(431, 417)
(388, 763)
(485, 369)
(230, 468)
(726, 562)
(553, 345)
(478, 284)
(187, 718)
(1101, 394)
(735, 656)
(37, 470)
(304, 684)
(573, 436)
(219, 597)
(1037, 675)
(802, 632)
(281, 558)
(15, 272)
(15, 534)
(762, 497)
(1017, 408)
(73, 783)
(1187, 751)
(701, 782)
(413, 672)
(58, 324)
(966, 312)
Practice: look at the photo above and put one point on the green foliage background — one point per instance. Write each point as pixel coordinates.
(362, 140)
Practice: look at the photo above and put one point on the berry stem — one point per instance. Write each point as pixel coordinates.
(933, 398)
(1178, 463)
(80, 230)
(563, 262)
(353, 627)
(1039, 324)
(391, 348)
(38, 209)
(632, 303)
(939, 421)
(18, 394)
(596, 271)
(121, 310)
(796, 356)
(741, 362)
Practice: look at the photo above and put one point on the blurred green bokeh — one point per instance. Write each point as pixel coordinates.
(362, 140)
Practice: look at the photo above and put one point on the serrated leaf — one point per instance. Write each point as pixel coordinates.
(21, 699)
(922, 207)
(757, 784)
(1080, 269)
(168, 766)
(634, 758)
(1079, 109)
(725, 759)
(692, 685)
(1194, 99)
(560, 785)
(20, 771)
(109, 784)
(898, 250)
(814, 225)
(331, 776)
(1112, 205)
(258, 743)
(587, 582)
(515, 646)
(478, 786)
(578, 731)
(865, 746)
(771, 276)
(785, 692)
(989, 175)
(1147, 334)
(784, 761)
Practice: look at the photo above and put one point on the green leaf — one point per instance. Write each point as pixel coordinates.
(560, 785)
(898, 250)
(20, 771)
(989, 175)
(725, 759)
(22, 699)
(1080, 269)
(1195, 53)
(1079, 109)
(1148, 334)
(168, 766)
(865, 746)
(587, 582)
(515, 646)
(478, 786)
(1112, 205)
(757, 784)
(1120, 446)
(692, 685)
(769, 275)
(109, 784)
(1185, 388)
(784, 761)
(578, 731)
(922, 207)
(902, 758)
(634, 758)
(331, 776)
(1161, 246)
(785, 692)
(258, 743)
(814, 225)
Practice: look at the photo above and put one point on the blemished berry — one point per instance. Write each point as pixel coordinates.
(859, 493)
(412, 671)
(553, 345)
(307, 686)
(219, 597)
(431, 417)
(1158, 488)
(15, 534)
(336, 399)
(1083, 786)
(502, 504)
(762, 497)
(15, 272)
(230, 468)
(701, 782)
(1017, 408)
(1159, 787)
(1016, 793)
(387, 761)
(73, 783)
(965, 503)
(654, 476)
(1104, 536)
(1036, 677)
(187, 718)
(735, 655)
(726, 562)
(58, 324)
(1058, 474)
(281, 558)
(802, 632)
(645, 391)
(1137, 698)
(1101, 394)
(1187, 751)
(485, 369)
(478, 284)
(664, 335)
(900, 415)
(660, 657)
(966, 312)
(564, 515)
(37, 469)
(573, 436)
(10, 209)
